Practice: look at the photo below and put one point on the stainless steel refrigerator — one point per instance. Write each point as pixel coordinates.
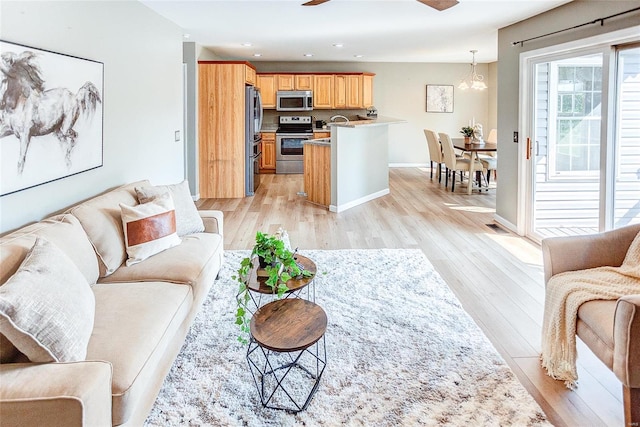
(252, 125)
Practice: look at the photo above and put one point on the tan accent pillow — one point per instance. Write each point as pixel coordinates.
(47, 308)
(149, 228)
(188, 220)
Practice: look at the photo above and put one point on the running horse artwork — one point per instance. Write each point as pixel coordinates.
(28, 109)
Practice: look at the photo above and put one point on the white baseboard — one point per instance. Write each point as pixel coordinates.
(408, 165)
(506, 224)
(344, 207)
(196, 197)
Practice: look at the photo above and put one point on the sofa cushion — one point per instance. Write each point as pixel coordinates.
(64, 231)
(149, 228)
(199, 257)
(595, 328)
(101, 219)
(47, 307)
(188, 221)
(134, 324)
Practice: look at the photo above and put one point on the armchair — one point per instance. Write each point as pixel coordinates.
(611, 329)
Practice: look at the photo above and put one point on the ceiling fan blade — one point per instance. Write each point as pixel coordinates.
(314, 2)
(439, 4)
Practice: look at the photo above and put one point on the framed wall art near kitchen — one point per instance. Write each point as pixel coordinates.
(51, 116)
(439, 98)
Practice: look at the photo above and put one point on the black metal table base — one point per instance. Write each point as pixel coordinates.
(287, 381)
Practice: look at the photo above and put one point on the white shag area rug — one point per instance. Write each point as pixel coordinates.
(401, 351)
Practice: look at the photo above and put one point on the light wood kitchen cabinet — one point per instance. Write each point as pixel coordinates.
(304, 81)
(317, 173)
(348, 91)
(250, 76)
(340, 91)
(221, 113)
(354, 91)
(318, 135)
(323, 91)
(330, 91)
(367, 90)
(268, 159)
(285, 82)
(267, 85)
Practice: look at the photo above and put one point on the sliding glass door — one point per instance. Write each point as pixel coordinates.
(583, 121)
(565, 146)
(626, 199)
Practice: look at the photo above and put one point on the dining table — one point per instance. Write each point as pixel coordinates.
(473, 147)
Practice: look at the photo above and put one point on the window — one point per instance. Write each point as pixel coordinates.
(574, 149)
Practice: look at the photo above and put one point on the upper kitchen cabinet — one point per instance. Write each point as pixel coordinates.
(340, 91)
(304, 81)
(250, 75)
(330, 91)
(294, 81)
(286, 82)
(323, 91)
(221, 115)
(367, 90)
(353, 91)
(267, 85)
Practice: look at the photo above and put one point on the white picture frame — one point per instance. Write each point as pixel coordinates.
(439, 98)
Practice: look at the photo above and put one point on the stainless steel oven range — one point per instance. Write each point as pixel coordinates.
(292, 132)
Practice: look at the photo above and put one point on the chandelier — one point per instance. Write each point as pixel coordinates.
(473, 80)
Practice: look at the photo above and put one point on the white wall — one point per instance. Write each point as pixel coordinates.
(400, 92)
(142, 56)
(575, 13)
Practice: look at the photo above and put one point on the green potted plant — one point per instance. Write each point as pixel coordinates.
(467, 131)
(277, 263)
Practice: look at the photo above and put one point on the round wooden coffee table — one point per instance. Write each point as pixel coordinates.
(258, 284)
(287, 352)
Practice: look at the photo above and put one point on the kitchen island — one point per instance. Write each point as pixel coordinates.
(359, 164)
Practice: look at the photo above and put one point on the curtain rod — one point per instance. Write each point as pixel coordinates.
(595, 21)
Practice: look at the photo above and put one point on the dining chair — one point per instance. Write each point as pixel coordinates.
(435, 152)
(453, 163)
(490, 160)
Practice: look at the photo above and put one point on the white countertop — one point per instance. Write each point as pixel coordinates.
(369, 122)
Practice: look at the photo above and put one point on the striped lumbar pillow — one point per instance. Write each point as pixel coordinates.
(149, 228)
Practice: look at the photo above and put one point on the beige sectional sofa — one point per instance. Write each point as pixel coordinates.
(142, 315)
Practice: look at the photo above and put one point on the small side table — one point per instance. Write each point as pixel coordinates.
(287, 352)
(258, 287)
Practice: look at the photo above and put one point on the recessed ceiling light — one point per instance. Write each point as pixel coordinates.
(186, 36)
(308, 54)
(358, 56)
(247, 44)
(257, 54)
(338, 45)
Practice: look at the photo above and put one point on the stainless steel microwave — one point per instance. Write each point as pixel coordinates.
(294, 100)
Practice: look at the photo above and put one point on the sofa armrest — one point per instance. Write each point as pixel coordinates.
(55, 394)
(213, 221)
(570, 253)
(626, 339)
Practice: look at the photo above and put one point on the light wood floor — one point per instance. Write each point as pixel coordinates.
(496, 275)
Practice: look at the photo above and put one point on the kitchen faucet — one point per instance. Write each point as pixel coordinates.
(338, 116)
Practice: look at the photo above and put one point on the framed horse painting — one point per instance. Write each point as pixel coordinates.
(51, 116)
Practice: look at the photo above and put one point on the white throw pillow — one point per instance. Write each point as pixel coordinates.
(188, 221)
(47, 308)
(149, 228)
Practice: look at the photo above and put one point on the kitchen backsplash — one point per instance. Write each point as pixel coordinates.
(270, 118)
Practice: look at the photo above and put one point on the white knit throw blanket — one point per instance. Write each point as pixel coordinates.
(565, 293)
